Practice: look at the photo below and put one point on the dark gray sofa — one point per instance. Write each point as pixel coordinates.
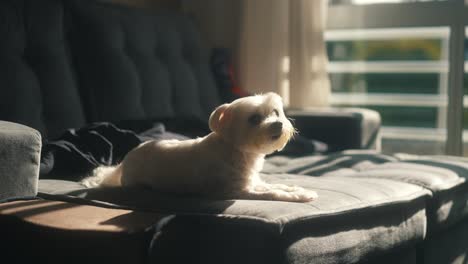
(67, 63)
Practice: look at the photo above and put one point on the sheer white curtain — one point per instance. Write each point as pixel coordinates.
(282, 49)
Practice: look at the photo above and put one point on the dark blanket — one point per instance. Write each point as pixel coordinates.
(77, 152)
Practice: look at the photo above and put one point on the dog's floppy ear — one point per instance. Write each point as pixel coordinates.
(272, 94)
(219, 117)
(274, 97)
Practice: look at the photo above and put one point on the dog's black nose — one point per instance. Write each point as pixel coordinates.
(277, 126)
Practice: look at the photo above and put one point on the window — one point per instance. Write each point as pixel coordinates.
(400, 58)
(465, 95)
(367, 2)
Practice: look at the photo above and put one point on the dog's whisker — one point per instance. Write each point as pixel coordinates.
(293, 133)
(292, 120)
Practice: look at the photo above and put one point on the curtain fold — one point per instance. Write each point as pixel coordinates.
(282, 49)
(308, 78)
(263, 44)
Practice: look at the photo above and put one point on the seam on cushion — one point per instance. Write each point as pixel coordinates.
(118, 207)
(407, 180)
(314, 206)
(443, 186)
(446, 184)
(340, 192)
(440, 163)
(435, 161)
(126, 52)
(79, 200)
(433, 190)
(286, 220)
(378, 180)
(389, 179)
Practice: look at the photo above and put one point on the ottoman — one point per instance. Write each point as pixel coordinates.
(20, 148)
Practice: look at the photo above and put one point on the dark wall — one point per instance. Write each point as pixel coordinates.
(156, 4)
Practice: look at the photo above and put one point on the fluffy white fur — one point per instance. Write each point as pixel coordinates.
(224, 164)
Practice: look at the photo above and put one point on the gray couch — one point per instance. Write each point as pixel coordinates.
(65, 64)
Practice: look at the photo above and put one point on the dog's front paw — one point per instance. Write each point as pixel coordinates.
(286, 188)
(300, 195)
(303, 195)
(290, 194)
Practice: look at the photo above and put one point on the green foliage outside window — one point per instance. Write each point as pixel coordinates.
(385, 50)
(391, 83)
(401, 83)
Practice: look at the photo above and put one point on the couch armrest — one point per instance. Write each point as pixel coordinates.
(20, 149)
(340, 128)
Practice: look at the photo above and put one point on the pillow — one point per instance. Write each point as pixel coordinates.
(302, 146)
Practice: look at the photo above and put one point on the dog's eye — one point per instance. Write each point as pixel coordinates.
(255, 119)
(276, 112)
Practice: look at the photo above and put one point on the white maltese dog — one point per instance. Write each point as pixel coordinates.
(224, 164)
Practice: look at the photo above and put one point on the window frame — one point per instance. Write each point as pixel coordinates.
(451, 13)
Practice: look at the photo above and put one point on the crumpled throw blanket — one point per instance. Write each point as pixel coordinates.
(74, 154)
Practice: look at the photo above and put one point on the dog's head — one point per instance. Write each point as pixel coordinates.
(255, 124)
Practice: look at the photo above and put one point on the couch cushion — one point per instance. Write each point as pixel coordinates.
(360, 218)
(37, 84)
(444, 176)
(138, 65)
(342, 128)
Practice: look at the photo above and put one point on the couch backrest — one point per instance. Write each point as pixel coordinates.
(37, 84)
(64, 63)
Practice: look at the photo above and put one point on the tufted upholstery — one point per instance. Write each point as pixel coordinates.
(137, 66)
(66, 63)
(37, 84)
